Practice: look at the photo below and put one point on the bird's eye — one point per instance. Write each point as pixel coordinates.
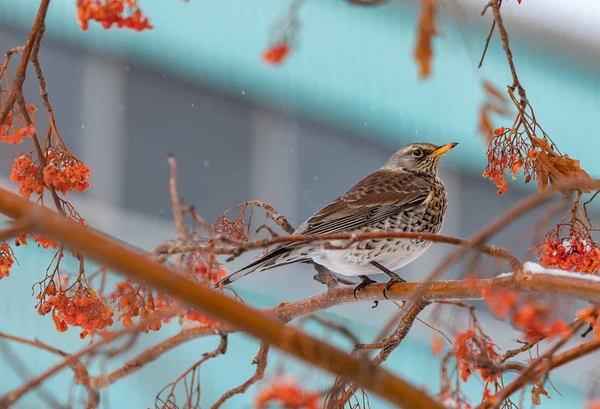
(417, 153)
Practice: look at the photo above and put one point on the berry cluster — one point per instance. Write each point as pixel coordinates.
(210, 272)
(27, 174)
(7, 259)
(65, 172)
(14, 130)
(508, 154)
(138, 302)
(41, 241)
(577, 252)
(81, 309)
(277, 53)
(468, 348)
(122, 13)
(532, 317)
(287, 394)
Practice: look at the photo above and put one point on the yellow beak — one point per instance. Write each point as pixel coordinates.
(443, 149)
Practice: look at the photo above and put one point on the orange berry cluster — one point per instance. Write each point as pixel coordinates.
(532, 317)
(212, 274)
(534, 320)
(135, 302)
(41, 241)
(27, 174)
(467, 347)
(122, 13)
(13, 132)
(7, 259)
(277, 53)
(193, 316)
(83, 309)
(506, 153)
(287, 394)
(66, 172)
(577, 252)
(63, 171)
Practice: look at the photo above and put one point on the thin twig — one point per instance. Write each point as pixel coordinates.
(80, 371)
(11, 397)
(260, 360)
(175, 201)
(19, 76)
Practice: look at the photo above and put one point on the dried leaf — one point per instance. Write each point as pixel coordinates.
(553, 168)
(485, 125)
(493, 91)
(425, 32)
(495, 104)
(537, 391)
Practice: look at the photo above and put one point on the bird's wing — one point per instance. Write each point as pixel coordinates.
(375, 198)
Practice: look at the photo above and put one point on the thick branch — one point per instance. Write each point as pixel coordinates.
(143, 269)
(572, 286)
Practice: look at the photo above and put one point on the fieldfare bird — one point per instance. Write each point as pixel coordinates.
(405, 195)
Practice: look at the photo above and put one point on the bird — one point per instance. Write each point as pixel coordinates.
(405, 195)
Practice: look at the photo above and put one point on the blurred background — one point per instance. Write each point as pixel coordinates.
(296, 136)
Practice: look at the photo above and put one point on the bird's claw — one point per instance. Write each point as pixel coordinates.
(364, 282)
(393, 280)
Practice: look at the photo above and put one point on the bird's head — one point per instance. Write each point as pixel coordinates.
(419, 157)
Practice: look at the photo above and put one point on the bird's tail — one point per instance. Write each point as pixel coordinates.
(277, 257)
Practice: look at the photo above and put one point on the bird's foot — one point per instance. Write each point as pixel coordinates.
(394, 278)
(365, 281)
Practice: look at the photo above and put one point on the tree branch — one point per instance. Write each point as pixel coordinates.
(572, 286)
(19, 76)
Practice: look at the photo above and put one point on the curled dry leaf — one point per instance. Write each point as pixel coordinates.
(425, 32)
(493, 91)
(495, 103)
(537, 391)
(551, 167)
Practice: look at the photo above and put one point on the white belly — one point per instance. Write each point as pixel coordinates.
(354, 263)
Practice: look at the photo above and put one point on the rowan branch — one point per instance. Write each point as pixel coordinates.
(175, 201)
(237, 248)
(568, 285)
(539, 368)
(79, 370)
(260, 360)
(19, 76)
(386, 347)
(10, 398)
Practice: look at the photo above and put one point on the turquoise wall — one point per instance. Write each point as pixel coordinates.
(354, 67)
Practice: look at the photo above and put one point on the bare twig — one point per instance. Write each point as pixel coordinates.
(237, 248)
(387, 346)
(260, 360)
(11, 397)
(80, 371)
(19, 76)
(175, 200)
(572, 287)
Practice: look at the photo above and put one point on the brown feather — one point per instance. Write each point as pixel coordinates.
(380, 194)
